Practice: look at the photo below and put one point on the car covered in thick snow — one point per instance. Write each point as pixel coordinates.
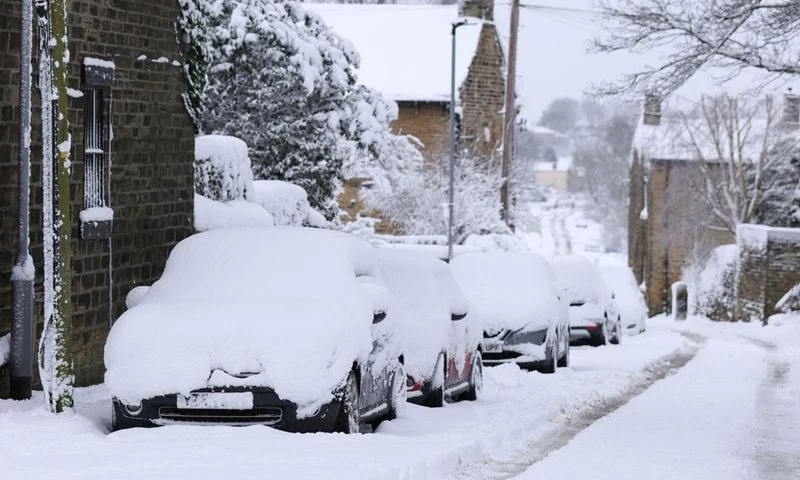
(628, 296)
(514, 299)
(287, 327)
(439, 338)
(593, 314)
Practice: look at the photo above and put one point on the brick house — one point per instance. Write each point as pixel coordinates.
(132, 51)
(406, 55)
(669, 221)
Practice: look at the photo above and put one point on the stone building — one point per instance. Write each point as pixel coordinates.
(127, 52)
(406, 55)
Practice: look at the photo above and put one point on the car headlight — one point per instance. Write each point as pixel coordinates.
(526, 336)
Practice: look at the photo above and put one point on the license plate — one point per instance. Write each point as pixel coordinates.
(217, 400)
(492, 347)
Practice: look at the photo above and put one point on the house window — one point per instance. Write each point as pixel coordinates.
(96, 216)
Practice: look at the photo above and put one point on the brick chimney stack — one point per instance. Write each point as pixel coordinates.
(483, 9)
(652, 109)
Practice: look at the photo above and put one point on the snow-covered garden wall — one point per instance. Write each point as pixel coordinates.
(769, 261)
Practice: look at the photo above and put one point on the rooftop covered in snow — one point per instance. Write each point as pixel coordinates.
(405, 49)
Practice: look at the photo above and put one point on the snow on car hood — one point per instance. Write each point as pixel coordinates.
(301, 350)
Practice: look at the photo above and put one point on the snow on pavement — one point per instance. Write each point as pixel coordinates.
(731, 413)
(516, 409)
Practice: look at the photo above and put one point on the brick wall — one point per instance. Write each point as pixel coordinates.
(151, 174)
(769, 265)
(428, 122)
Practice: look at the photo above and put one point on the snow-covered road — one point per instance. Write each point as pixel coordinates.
(610, 415)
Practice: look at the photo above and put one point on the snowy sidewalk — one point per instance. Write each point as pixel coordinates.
(708, 421)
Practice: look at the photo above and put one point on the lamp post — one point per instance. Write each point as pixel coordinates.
(452, 139)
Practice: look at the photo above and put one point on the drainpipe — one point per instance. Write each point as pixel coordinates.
(22, 274)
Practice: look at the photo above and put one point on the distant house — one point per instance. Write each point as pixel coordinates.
(129, 52)
(406, 55)
(553, 174)
(669, 220)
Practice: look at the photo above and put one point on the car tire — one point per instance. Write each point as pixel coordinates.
(475, 377)
(435, 397)
(551, 360)
(617, 338)
(563, 362)
(349, 418)
(398, 393)
(600, 336)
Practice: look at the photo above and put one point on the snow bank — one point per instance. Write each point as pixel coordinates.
(287, 203)
(428, 295)
(221, 167)
(213, 215)
(283, 303)
(5, 348)
(508, 290)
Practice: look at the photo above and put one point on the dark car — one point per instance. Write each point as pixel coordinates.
(286, 327)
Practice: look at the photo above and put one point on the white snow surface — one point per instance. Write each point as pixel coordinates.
(5, 348)
(286, 202)
(98, 62)
(428, 295)
(27, 271)
(283, 302)
(400, 64)
(96, 214)
(628, 297)
(508, 290)
(213, 215)
(579, 279)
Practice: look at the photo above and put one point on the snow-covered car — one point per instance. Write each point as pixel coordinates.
(439, 338)
(628, 296)
(287, 327)
(593, 314)
(514, 299)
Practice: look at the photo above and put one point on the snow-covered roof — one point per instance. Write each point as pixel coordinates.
(405, 49)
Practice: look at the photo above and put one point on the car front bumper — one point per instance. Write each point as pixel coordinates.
(527, 349)
(267, 409)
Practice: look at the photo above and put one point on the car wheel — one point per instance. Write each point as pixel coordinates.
(398, 394)
(475, 377)
(438, 381)
(551, 359)
(617, 338)
(563, 362)
(600, 336)
(349, 419)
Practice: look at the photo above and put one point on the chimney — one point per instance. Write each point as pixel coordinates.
(483, 9)
(652, 109)
(791, 110)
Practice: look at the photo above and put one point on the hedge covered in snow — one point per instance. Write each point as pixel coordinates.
(712, 286)
(221, 168)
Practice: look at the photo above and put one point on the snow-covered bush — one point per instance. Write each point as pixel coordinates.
(417, 200)
(214, 215)
(791, 301)
(286, 202)
(221, 168)
(282, 79)
(712, 285)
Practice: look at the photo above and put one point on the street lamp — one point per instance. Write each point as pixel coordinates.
(452, 138)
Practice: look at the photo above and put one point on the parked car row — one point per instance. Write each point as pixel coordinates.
(314, 330)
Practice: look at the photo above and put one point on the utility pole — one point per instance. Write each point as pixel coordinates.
(23, 272)
(509, 115)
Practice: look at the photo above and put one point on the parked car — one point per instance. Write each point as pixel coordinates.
(628, 296)
(593, 314)
(514, 299)
(439, 338)
(287, 327)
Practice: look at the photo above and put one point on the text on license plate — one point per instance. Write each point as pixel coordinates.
(492, 347)
(217, 400)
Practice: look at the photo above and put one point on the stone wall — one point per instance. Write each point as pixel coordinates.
(769, 265)
(151, 163)
(428, 122)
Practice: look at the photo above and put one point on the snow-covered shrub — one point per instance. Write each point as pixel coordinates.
(286, 202)
(712, 286)
(221, 168)
(417, 200)
(791, 301)
(282, 79)
(213, 215)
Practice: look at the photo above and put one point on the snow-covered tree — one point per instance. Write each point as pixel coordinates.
(195, 55)
(692, 34)
(780, 204)
(284, 82)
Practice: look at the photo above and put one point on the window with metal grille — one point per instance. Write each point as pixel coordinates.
(96, 216)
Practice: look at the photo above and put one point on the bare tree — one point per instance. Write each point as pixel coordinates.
(736, 141)
(695, 33)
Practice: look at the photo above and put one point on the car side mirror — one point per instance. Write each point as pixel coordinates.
(458, 316)
(378, 317)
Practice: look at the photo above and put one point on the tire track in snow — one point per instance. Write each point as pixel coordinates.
(534, 450)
